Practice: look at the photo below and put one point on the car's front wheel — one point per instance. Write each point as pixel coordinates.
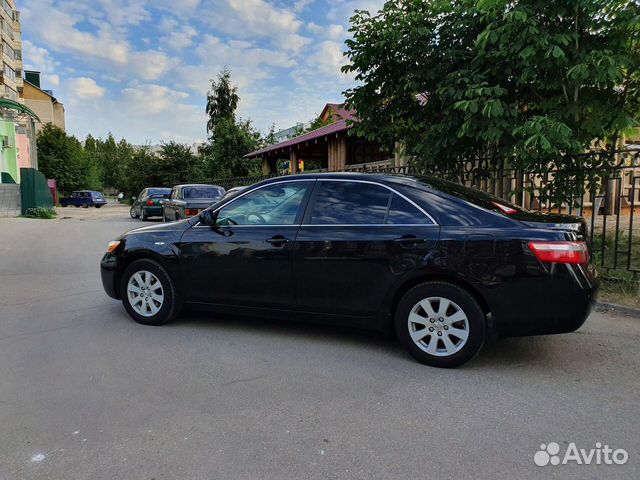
(148, 293)
(440, 324)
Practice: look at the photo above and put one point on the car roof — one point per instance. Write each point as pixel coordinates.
(196, 185)
(418, 181)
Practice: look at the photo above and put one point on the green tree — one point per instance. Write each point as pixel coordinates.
(529, 81)
(229, 139)
(222, 101)
(232, 141)
(60, 157)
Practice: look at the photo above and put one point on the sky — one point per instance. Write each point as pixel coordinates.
(141, 68)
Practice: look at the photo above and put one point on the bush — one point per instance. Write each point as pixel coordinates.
(40, 212)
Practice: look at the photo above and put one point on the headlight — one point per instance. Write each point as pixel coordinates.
(113, 245)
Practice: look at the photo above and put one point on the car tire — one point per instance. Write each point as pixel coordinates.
(77, 206)
(98, 206)
(144, 311)
(144, 216)
(443, 313)
(133, 214)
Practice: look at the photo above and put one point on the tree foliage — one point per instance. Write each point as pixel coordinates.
(530, 81)
(222, 101)
(229, 139)
(61, 157)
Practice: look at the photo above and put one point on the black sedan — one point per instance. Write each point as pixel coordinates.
(442, 265)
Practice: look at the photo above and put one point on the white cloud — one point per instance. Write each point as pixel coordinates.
(301, 5)
(85, 88)
(152, 98)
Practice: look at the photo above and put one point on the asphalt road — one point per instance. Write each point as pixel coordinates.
(86, 393)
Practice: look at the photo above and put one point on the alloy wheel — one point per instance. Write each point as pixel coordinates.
(438, 326)
(145, 293)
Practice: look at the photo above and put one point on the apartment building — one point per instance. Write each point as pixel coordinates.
(11, 76)
(42, 102)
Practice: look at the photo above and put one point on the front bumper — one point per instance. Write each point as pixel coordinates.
(108, 273)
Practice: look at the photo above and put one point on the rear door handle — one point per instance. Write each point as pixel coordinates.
(409, 240)
(278, 241)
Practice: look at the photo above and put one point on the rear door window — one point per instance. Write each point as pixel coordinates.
(350, 203)
(401, 212)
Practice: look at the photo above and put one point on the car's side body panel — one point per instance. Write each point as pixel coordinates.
(355, 273)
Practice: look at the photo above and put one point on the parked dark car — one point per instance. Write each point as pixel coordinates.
(188, 200)
(147, 204)
(83, 198)
(443, 266)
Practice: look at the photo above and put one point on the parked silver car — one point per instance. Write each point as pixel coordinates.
(188, 200)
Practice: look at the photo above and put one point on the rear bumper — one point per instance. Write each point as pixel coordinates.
(559, 303)
(153, 211)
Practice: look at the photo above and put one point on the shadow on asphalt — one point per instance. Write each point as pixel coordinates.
(509, 352)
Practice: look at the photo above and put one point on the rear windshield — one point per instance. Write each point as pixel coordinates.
(471, 195)
(159, 192)
(210, 193)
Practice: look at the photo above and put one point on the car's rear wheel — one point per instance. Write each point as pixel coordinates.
(440, 324)
(98, 206)
(148, 293)
(133, 213)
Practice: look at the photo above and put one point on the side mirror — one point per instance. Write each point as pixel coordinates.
(209, 218)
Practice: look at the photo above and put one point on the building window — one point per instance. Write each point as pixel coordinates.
(7, 8)
(10, 93)
(9, 72)
(8, 51)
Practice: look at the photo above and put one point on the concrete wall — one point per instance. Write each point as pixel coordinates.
(9, 162)
(24, 151)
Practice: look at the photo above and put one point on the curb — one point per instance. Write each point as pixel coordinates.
(617, 308)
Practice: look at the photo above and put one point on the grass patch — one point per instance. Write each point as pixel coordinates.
(42, 213)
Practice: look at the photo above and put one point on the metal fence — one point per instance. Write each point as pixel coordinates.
(607, 201)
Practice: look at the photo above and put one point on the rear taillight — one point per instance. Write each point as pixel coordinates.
(560, 252)
(504, 208)
(149, 203)
(190, 212)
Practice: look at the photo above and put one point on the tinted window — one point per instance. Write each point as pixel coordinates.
(276, 204)
(350, 203)
(210, 193)
(159, 192)
(402, 212)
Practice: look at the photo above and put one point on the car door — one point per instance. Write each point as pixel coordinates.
(357, 241)
(245, 259)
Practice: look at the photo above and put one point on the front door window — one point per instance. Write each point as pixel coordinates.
(277, 204)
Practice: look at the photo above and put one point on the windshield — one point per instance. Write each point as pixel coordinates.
(210, 193)
(159, 192)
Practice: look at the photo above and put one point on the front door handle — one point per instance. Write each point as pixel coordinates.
(409, 240)
(278, 241)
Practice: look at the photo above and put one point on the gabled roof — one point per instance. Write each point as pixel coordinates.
(49, 93)
(338, 112)
(336, 127)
